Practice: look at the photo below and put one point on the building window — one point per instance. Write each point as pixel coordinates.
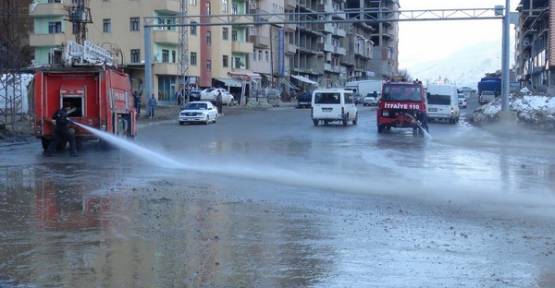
(54, 27)
(225, 61)
(173, 57)
(165, 56)
(237, 62)
(193, 61)
(259, 55)
(75, 28)
(135, 55)
(107, 25)
(225, 33)
(134, 24)
(234, 35)
(234, 8)
(54, 1)
(209, 38)
(267, 56)
(209, 65)
(193, 28)
(224, 6)
(208, 8)
(193, 2)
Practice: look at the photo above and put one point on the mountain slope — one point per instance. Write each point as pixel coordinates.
(464, 67)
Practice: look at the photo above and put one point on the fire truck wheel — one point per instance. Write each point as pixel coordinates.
(381, 129)
(45, 143)
(79, 144)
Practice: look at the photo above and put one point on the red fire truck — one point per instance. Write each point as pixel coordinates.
(101, 95)
(402, 105)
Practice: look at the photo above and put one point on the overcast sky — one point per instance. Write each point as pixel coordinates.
(423, 41)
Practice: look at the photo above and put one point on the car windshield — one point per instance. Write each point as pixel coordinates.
(371, 95)
(327, 98)
(196, 106)
(435, 99)
(461, 96)
(402, 93)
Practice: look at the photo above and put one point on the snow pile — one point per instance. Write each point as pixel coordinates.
(535, 110)
(538, 110)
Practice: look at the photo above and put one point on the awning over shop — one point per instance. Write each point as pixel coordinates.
(304, 79)
(290, 85)
(230, 82)
(249, 76)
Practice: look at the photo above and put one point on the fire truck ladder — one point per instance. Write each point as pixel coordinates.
(87, 54)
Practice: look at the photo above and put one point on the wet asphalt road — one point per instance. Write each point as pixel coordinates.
(285, 205)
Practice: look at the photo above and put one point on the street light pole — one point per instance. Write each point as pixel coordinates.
(505, 89)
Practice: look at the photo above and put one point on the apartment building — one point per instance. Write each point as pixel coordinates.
(385, 58)
(535, 45)
(309, 40)
(118, 25)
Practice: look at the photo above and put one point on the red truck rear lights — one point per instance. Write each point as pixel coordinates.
(386, 113)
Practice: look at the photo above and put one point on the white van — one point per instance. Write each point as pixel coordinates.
(443, 103)
(329, 105)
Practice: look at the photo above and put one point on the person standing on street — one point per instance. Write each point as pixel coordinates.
(137, 100)
(219, 103)
(62, 132)
(152, 103)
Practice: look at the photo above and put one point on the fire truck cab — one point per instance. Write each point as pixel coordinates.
(101, 95)
(402, 105)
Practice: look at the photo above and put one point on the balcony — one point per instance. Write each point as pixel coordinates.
(328, 47)
(340, 51)
(41, 40)
(260, 41)
(166, 37)
(292, 49)
(328, 27)
(47, 9)
(290, 27)
(340, 32)
(331, 68)
(165, 69)
(241, 19)
(166, 6)
(241, 47)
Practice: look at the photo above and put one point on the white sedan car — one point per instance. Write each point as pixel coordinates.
(198, 112)
(211, 94)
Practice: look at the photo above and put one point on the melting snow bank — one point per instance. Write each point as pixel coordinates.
(535, 110)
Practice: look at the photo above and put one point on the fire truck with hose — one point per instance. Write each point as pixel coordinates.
(88, 81)
(403, 105)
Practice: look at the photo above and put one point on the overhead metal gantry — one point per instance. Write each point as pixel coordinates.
(366, 15)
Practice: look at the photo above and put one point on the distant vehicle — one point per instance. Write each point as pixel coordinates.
(489, 85)
(330, 105)
(365, 87)
(486, 97)
(194, 95)
(211, 94)
(463, 102)
(402, 105)
(443, 103)
(304, 100)
(371, 99)
(198, 112)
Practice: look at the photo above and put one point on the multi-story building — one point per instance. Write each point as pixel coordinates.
(334, 48)
(535, 45)
(385, 58)
(119, 26)
(309, 41)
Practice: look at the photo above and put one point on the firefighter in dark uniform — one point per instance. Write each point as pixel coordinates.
(63, 132)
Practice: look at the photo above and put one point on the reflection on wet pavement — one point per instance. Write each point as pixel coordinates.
(106, 220)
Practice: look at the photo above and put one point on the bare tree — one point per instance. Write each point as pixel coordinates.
(15, 54)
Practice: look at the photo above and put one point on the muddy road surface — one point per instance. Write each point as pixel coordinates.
(264, 199)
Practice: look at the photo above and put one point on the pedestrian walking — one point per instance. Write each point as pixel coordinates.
(137, 100)
(179, 98)
(219, 103)
(152, 103)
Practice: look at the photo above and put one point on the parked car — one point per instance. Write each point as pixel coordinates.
(463, 103)
(371, 99)
(330, 105)
(304, 100)
(443, 103)
(198, 112)
(211, 94)
(194, 95)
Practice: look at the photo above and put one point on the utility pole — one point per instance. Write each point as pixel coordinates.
(183, 49)
(80, 16)
(505, 89)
